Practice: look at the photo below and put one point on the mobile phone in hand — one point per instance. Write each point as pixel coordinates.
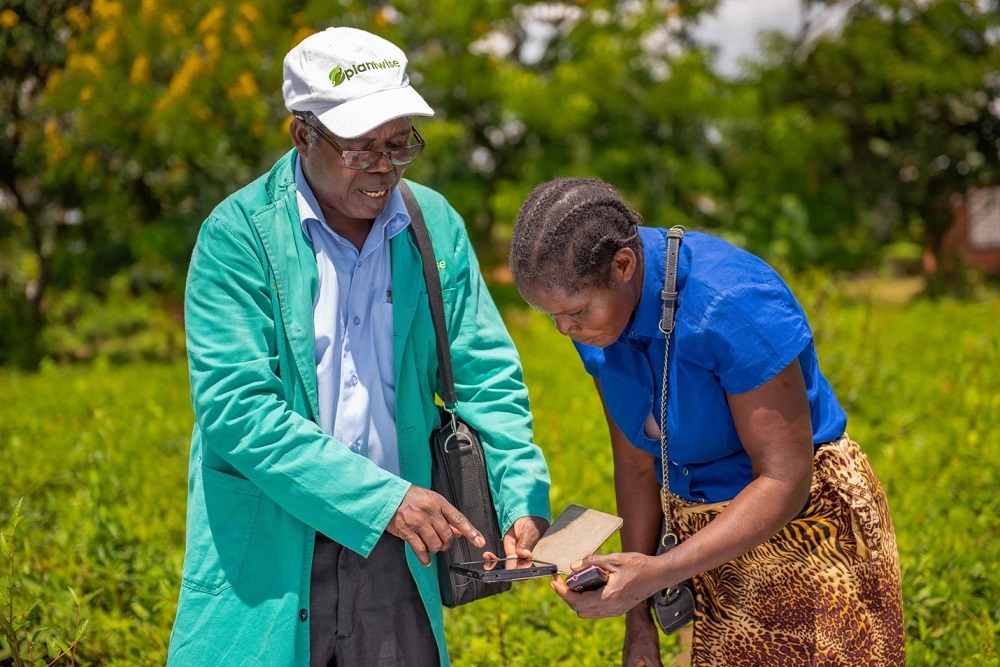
(503, 569)
(588, 579)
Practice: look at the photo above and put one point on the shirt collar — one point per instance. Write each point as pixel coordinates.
(646, 320)
(392, 220)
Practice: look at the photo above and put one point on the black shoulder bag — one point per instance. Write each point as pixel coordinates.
(673, 607)
(458, 465)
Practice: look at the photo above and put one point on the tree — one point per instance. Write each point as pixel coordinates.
(133, 121)
(148, 114)
(33, 220)
(908, 93)
(601, 88)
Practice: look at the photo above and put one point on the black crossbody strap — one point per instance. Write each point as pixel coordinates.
(433, 280)
(669, 296)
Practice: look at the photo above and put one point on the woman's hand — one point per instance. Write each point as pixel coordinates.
(632, 577)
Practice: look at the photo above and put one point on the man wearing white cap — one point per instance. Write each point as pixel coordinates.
(310, 526)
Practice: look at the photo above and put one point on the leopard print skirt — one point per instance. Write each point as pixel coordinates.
(823, 591)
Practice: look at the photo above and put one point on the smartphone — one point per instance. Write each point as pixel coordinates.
(588, 579)
(504, 569)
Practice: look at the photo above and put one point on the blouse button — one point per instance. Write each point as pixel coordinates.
(303, 614)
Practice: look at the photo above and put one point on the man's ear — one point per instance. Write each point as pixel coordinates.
(300, 136)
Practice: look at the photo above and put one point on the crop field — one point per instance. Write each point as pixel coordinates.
(93, 481)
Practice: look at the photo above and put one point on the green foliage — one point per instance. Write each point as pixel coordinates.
(126, 121)
(148, 114)
(33, 215)
(23, 640)
(924, 401)
(137, 118)
(99, 456)
(124, 327)
(892, 119)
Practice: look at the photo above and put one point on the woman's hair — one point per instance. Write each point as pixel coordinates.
(567, 233)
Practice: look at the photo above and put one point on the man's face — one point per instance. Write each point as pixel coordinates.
(350, 196)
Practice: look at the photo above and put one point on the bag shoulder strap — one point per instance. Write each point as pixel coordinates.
(669, 296)
(433, 279)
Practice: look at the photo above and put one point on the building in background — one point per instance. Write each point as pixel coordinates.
(974, 239)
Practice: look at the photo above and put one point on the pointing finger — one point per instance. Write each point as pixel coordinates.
(464, 527)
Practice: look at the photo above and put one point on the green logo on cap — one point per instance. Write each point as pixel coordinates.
(338, 75)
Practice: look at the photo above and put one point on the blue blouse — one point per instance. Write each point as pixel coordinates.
(737, 325)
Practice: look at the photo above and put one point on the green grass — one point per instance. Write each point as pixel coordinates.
(99, 456)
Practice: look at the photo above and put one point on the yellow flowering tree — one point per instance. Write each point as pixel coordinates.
(134, 118)
(155, 110)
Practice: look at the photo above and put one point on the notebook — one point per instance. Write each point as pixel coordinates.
(577, 532)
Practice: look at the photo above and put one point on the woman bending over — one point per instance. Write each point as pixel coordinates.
(784, 526)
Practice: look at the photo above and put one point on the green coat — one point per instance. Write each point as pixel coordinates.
(264, 477)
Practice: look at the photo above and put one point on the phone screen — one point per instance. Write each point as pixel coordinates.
(504, 569)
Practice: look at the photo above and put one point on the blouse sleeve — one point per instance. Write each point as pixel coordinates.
(752, 331)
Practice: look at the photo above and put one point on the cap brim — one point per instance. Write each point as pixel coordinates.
(354, 118)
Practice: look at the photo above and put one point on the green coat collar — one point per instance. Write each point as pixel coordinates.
(293, 265)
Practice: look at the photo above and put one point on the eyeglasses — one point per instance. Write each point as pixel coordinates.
(366, 159)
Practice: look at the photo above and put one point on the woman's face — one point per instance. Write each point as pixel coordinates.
(594, 316)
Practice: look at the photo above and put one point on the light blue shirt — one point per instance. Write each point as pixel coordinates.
(352, 318)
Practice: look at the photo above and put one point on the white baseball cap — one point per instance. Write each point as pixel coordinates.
(352, 80)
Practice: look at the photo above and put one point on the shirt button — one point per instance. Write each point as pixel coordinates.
(303, 615)
(354, 380)
(357, 320)
(685, 471)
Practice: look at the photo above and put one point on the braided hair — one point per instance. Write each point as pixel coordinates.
(567, 233)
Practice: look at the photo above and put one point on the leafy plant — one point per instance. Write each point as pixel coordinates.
(22, 636)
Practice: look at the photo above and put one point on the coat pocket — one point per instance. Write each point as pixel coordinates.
(221, 514)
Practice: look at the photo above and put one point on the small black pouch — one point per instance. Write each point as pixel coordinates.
(673, 607)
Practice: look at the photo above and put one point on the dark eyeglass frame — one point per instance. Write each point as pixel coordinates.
(362, 160)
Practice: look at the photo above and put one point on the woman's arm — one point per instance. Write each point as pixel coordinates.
(637, 492)
(775, 427)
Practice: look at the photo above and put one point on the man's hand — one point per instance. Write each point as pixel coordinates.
(429, 524)
(523, 536)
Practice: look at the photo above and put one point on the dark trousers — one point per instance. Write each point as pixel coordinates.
(367, 611)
